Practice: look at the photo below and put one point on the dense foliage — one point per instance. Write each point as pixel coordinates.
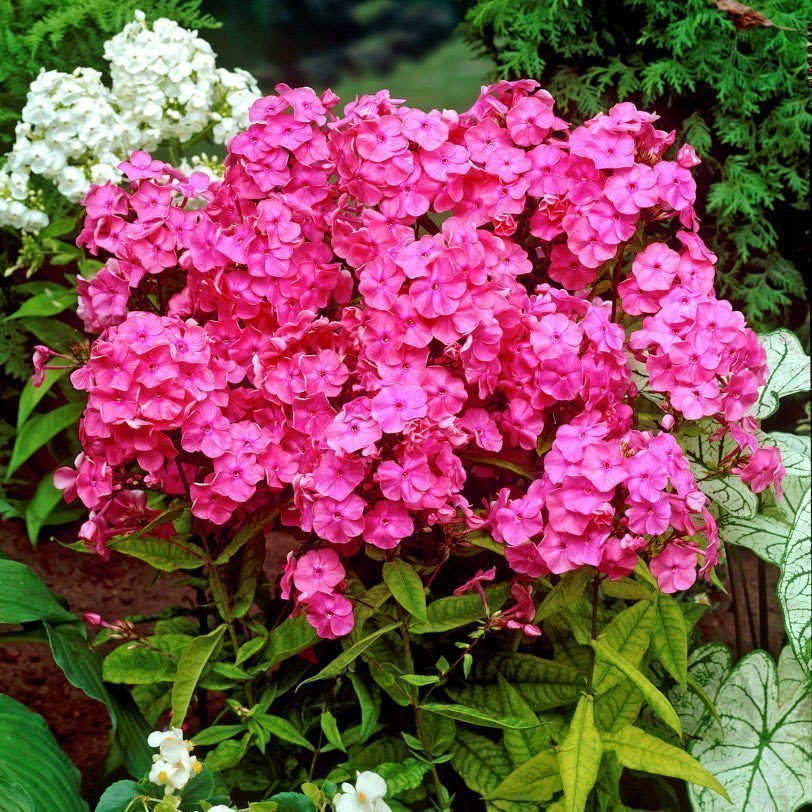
(730, 80)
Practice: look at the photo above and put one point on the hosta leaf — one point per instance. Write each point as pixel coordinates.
(406, 587)
(639, 750)
(656, 700)
(579, 756)
(24, 598)
(669, 638)
(795, 584)
(30, 758)
(538, 779)
(788, 367)
(628, 635)
(481, 763)
(761, 752)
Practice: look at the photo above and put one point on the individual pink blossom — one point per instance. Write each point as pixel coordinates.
(330, 615)
(674, 568)
(387, 524)
(317, 571)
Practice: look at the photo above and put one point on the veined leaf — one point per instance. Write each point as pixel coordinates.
(167, 555)
(765, 535)
(251, 527)
(537, 780)
(191, 665)
(627, 634)
(795, 584)
(291, 636)
(462, 713)
(639, 750)
(48, 303)
(788, 371)
(32, 395)
(480, 762)
(455, 611)
(669, 638)
(521, 745)
(579, 756)
(406, 587)
(568, 589)
(349, 655)
(656, 700)
(761, 751)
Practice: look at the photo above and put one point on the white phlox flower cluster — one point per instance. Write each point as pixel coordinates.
(173, 765)
(165, 88)
(366, 796)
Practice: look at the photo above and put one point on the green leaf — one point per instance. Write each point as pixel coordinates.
(292, 636)
(32, 395)
(349, 655)
(329, 727)
(45, 304)
(282, 729)
(166, 555)
(216, 734)
(191, 665)
(639, 750)
(55, 334)
(669, 638)
(254, 525)
(31, 758)
(406, 587)
(480, 762)
(455, 611)
(579, 757)
(200, 788)
(788, 371)
(462, 713)
(41, 428)
(708, 667)
(83, 668)
(761, 751)
(566, 591)
(37, 510)
(542, 684)
(536, 780)
(403, 775)
(13, 797)
(656, 700)
(627, 634)
(227, 754)
(369, 700)
(136, 665)
(24, 598)
(293, 802)
(117, 797)
(795, 584)
(250, 568)
(521, 745)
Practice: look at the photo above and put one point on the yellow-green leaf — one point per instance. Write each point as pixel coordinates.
(536, 780)
(669, 638)
(628, 634)
(191, 664)
(579, 757)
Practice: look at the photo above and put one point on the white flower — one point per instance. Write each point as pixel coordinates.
(173, 766)
(221, 808)
(366, 796)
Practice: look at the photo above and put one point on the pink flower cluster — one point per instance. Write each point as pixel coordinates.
(375, 314)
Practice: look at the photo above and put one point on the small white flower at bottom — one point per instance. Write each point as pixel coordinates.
(366, 796)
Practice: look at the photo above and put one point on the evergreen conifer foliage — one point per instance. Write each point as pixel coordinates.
(729, 78)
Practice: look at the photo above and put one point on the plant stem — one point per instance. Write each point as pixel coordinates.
(418, 716)
(737, 623)
(747, 602)
(593, 631)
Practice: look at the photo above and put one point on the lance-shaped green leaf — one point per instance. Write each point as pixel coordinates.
(282, 729)
(761, 751)
(252, 526)
(669, 638)
(788, 371)
(32, 395)
(795, 584)
(655, 698)
(290, 637)
(473, 716)
(191, 664)
(639, 750)
(454, 611)
(24, 598)
(406, 587)
(579, 756)
(568, 589)
(537, 780)
(31, 759)
(480, 762)
(522, 745)
(37, 510)
(628, 635)
(349, 655)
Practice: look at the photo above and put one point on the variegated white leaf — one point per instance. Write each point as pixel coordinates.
(788, 367)
(760, 753)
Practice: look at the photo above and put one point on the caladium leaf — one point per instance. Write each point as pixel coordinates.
(760, 752)
(708, 667)
(795, 584)
(788, 367)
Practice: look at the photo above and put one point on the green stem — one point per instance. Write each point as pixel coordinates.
(594, 631)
